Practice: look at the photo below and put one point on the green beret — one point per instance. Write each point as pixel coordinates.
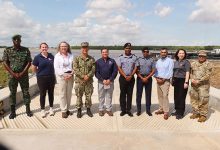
(16, 36)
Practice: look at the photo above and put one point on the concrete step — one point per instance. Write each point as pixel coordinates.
(106, 123)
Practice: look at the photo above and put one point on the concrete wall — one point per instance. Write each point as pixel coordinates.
(214, 100)
(5, 93)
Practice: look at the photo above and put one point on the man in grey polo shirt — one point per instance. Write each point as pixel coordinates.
(127, 66)
(145, 70)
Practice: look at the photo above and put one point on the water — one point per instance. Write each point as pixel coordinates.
(94, 53)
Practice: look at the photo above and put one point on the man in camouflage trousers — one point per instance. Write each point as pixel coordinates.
(200, 82)
(84, 69)
(17, 60)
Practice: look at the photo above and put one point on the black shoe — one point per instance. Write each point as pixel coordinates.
(130, 114)
(179, 117)
(69, 113)
(173, 113)
(13, 114)
(79, 113)
(122, 113)
(89, 113)
(138, 113)
(28, 111)
(149, 113)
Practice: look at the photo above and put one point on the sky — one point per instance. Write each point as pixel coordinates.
(111, 22)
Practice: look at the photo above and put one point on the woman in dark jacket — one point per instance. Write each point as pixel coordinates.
(181, 74)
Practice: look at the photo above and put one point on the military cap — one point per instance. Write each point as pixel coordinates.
(16, 36)
(127, 45)
(84, 44)
(202, 53)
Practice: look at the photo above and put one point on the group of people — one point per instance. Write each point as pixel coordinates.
(64, 69)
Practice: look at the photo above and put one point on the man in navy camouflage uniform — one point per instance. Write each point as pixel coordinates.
(17, 60)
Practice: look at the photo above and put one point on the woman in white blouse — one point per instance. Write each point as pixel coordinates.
(64, 72)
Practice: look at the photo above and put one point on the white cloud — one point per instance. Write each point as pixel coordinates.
(14, 20)
(207, 12)
(162, 10)
(109, 4)
(103, 23)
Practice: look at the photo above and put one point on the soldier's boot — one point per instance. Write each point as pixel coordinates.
(28, 111)
(202, 119)
(79, 113)
(194, 116)
(13, 114)
(89, 113)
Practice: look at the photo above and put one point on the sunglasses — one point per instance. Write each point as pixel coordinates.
(202, 56)
(145, 51)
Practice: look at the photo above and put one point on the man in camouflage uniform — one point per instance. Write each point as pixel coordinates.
(17, 60)
(84, 69)
(199, 94)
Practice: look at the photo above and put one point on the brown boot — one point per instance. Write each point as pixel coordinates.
(166, 116)
(109, 113)
(64, 115)
(194, 116)
(101, 113)
(202, 119)
(159, 112)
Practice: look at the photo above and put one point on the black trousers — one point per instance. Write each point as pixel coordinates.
(179, 95)
(148, 89)
(126, 92)
(46, 84)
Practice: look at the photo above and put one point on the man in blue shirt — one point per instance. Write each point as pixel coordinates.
(106, 71)
(163, 74)
(127, 67)
(145, 70)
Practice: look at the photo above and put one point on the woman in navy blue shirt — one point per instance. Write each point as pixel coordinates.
(44, 68)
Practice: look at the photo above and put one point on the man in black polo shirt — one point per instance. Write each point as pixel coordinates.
(106, 71)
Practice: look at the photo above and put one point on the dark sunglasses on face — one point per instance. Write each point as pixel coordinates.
(16, 39)
(145, 51)
(202, 56)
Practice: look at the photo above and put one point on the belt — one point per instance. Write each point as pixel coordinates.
(163, 79)
(144, 75)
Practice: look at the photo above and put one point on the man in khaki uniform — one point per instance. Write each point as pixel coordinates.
(84, 70)
(200, 82)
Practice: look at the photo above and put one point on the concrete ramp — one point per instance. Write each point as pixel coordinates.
(109, 133)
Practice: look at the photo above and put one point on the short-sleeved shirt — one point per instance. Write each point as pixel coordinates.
(127, 63)
(145, 65)
(180, 68)
(17, 59)
(45, 65)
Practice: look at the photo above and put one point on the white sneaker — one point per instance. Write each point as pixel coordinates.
(51, 112)
(43, 113)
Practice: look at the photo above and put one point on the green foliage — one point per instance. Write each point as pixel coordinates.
(3, 76)
(188, 48)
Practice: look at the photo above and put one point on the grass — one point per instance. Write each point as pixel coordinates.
(3, 76)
